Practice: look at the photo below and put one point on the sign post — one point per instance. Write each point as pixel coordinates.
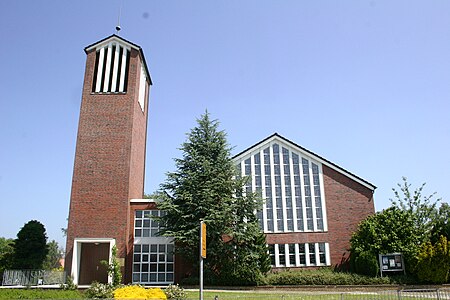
(202, 254)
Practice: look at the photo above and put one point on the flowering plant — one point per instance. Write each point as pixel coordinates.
(139, 292)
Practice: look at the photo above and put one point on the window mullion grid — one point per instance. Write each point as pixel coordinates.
(313, 195)
(297, 255)
(302, 187)
(317, 254)
(263, 189)
(274, 195)
(293, 196)
(283, 187)
(277, 253)
(307, 263)
(286, 255)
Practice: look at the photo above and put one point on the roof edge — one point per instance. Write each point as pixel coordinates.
(316, 156)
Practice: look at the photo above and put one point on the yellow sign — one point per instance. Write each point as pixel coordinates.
(203, 236)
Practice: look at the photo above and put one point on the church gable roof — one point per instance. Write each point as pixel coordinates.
(306, 152)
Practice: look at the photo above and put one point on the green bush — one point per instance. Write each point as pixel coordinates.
(365, 263)
(323, 277)
(99, 290)
(434, 261)
(174, 291)
(39, 294)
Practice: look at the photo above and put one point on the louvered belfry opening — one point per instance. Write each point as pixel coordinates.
(111, 69)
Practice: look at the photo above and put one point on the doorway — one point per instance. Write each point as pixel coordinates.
(91, 268)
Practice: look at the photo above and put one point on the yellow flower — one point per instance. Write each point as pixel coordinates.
(138, 292)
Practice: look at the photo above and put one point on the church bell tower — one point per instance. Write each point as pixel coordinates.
(109, 158)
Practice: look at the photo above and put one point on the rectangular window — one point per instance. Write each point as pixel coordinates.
(298, 255)
(153, 256)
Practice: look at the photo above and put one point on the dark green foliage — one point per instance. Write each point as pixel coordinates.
(6, 255)
(39, 294)
(52, 260)
(441, 224)
(206, 186)
(391, 230)
(434, 261)
(30, 247)
(366, 263)
(323, 277)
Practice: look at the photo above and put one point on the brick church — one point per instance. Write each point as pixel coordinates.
(311, 205)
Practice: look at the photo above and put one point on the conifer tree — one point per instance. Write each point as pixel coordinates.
(30, 247)
(206, 186)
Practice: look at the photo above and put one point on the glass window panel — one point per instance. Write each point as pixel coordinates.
(153, 267)
(153, 257)
(136, 267)
(282, 257)
(146, 232)
(137, 248)
(144, 267)
(146, 214)
(137, 233)
(161, 267)
(136, 277)
(145, 248)
(161, 277)
(154, 232)
(147, 223)
(162, 257)
(138, 213)
(144, 277)
(280, 225)
(144, 257)
(153, 248)
(153, 277)
(138, 223)
(162, 248)
(169, 277)
(136, 257)
(310, 224)
(169, 267)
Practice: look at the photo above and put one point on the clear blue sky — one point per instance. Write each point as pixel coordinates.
(365, 84)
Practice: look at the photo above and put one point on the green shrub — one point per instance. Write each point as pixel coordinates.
(99, 290)
(174, 291)
(365, 263)
(38, 294)
(322, 277)
(434, 261)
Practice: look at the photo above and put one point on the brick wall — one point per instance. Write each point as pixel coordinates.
(109, 162)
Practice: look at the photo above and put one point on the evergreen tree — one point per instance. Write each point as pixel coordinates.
(30, 247)
(206, 186)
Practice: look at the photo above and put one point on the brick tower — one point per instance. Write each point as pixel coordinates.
(109, 159)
